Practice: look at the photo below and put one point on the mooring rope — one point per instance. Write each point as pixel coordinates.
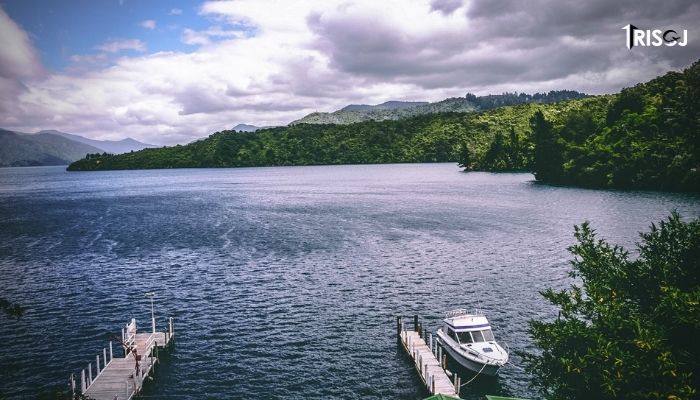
(477, 374)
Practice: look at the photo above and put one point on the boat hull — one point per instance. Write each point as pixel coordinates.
(477, 367)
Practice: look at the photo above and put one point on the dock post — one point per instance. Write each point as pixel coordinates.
(111, 356)
(459, 385)
(415, 323)
(97, 365)
(90, 373)
(72, 384)
(104, 357)
(83, 386)
(431, 342)
(444, 361)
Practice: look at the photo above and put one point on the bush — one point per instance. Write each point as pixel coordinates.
(630, 330)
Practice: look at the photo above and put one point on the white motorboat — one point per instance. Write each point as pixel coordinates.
(468, 338)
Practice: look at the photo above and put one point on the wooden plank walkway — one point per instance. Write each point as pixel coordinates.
(425, 358)
(122, 378)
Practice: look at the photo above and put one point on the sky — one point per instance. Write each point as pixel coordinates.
(167, 72)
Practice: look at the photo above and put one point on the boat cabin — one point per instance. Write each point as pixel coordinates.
(465, 328)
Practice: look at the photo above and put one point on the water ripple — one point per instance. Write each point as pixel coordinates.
(285, 282)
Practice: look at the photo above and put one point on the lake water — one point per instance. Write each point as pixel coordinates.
(285, 282)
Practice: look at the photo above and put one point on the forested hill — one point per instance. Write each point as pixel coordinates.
(424, 138)
(393, 110)
(645, 137)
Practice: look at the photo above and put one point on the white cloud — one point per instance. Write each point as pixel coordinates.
(19, 62)
(175, 11)
(18, 58)
(192, 37)
(148, 24)
(270, 62)
(117, 45)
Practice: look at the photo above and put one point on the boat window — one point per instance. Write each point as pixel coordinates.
(464, 337)
(478, 337)
(451, 334)
(488, 335)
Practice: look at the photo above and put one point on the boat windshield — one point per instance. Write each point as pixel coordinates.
(478, 337)
(488, 335)
(464, 337)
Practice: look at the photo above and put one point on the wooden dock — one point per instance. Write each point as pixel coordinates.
(122, 378)
(425, 355)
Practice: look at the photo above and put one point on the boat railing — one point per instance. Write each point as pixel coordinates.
(463, 311)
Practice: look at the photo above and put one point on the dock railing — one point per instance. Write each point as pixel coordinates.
(86, 380)
(129, 335)
(140, 352)
(428, 357)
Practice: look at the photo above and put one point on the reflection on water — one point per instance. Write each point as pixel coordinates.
(285, 282)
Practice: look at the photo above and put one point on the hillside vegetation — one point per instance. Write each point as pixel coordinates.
(424, 138)
(395, 110)
(647, 138)
(21, 150)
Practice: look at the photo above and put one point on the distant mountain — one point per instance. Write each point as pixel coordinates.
(394, 110)
(109, 146)
(20, 149)
(391, 110)
(388, 105)
(245, 128)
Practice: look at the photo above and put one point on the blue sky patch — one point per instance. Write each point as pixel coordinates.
(62, 30)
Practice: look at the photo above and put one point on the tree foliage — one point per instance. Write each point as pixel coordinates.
(401, 110)
(424, 138)
(630, 329)
(647, 138)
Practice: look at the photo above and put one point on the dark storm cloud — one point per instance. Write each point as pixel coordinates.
(510, 41)
(195, 100)
(445, 6)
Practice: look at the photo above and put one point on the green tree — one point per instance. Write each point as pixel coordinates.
(630, 330)
(465, 157)
(547, 160)
(515, 150)
(496, 158)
